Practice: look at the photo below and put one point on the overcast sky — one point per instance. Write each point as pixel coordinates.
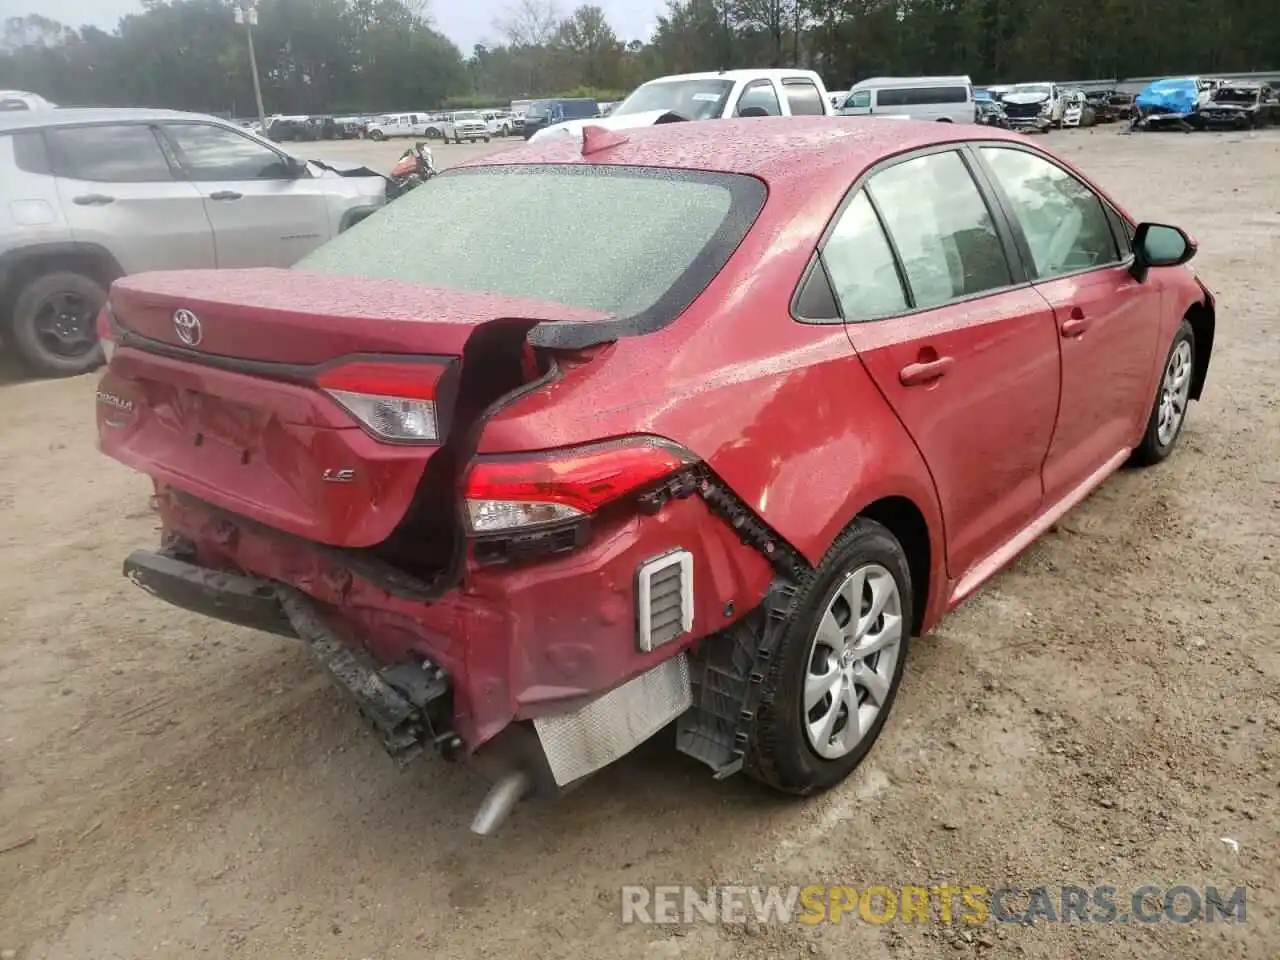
(466, 22)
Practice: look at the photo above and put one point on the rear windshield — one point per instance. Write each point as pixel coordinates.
(628, 241)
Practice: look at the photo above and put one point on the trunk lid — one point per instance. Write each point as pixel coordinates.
(215, 389)
(299, 318)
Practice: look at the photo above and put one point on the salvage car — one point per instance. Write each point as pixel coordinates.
(1076, 111)
(1105, 107)
(1033, 107)
(990, 113)
(1240, 104)
(92, 195)
(532, 491)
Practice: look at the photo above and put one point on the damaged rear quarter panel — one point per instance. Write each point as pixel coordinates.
(783, 412)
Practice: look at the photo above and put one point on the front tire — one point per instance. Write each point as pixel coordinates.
(1173, 395)
(835, 675)
(53, 326)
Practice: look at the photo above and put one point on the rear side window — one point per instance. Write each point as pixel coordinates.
(860, 264)
(581, 109)
(803, 98)
(921, 96)
(30, 153)
(941, 229)
(108, 153)
(628, 241)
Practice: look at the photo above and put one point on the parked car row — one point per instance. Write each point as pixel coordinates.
(456, 127)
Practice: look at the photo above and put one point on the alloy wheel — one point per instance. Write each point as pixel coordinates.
(852, 659)
(1175, 389)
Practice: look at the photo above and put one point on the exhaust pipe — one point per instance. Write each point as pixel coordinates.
(498, 803)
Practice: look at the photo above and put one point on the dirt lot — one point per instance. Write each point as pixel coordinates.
(1107, 710)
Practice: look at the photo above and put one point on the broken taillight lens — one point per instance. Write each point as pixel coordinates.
(528, 490)
(392, 400)
(104, 325)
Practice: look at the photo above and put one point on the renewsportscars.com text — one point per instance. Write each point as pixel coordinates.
(958, 904)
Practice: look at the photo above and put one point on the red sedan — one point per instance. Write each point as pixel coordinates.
(704, 429)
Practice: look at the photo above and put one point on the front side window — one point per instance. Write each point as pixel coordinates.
(695, 99)
(758, 96)
(665, 236)
(861, 99)
(803, 98)
(207, 153)
(1064, 222)
(941, 227)
(109, 153)
(860, 264)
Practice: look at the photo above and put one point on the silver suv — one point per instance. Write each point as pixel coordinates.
(87, 196)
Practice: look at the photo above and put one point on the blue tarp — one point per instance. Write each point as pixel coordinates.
(1175, 96)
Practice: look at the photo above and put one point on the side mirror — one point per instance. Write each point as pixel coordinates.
(1159, 245)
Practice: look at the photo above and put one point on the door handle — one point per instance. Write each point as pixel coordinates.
(93, 200)
(926, 372)
(225, 195)
(1076, 324)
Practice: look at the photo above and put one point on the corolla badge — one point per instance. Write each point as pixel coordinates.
(187, 325)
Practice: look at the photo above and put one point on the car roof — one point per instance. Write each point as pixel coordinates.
(795, 156)
(873, 83)
(771, 73)
(63, 117)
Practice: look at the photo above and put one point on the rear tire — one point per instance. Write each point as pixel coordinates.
(377, 136)
(1173, 397)
(802, 741)
(53, 327)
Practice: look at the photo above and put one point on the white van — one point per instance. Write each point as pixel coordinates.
(949, 99)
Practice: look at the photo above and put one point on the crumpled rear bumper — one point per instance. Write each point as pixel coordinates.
(406, 704)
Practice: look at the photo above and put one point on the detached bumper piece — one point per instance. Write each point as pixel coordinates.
(405, 703)
(245, 601)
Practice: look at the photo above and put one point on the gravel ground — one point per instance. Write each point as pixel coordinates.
(1104, 711)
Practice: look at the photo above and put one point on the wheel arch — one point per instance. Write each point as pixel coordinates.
(902, 518)
(1202, 316)
(19, 267)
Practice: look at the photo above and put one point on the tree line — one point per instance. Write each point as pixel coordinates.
(347, 56)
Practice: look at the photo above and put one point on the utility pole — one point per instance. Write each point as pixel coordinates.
(247, 13)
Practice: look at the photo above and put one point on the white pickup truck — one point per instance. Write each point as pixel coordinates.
(710, 96)
(399, 125)
(466, 125)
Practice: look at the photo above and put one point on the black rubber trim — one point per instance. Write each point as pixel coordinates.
(233, 598)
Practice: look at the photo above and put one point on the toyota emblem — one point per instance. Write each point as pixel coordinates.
(187, 325)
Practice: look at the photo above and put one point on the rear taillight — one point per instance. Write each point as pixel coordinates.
(392, 400)
(528, 490)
